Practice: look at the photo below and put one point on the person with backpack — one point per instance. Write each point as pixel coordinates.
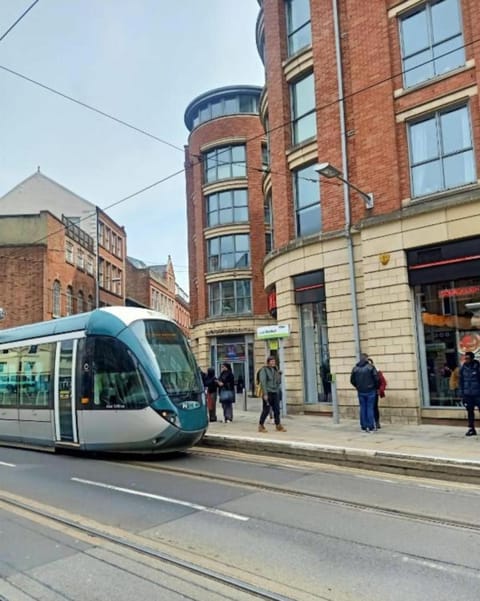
(470, 389)
(364, 378)
(269, 382)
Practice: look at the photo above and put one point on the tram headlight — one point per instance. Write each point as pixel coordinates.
(170, 416)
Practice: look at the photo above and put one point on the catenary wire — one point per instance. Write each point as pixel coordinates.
(266, 132)
(200, 157)
(4, 35)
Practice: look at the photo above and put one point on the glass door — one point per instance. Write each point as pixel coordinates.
(65, 414)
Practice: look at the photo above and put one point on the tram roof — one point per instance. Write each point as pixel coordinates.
(107, 321)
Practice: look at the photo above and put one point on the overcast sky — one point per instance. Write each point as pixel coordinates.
(142, 61)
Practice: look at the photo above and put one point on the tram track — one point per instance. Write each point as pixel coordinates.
(257, 486)
(124, 541)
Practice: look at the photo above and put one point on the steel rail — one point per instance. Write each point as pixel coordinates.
(145, 550)
(283, 490)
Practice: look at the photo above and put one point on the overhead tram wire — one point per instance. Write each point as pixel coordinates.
(91, 108)
(113, 204)
(199, 158)
(284, 124)
(4, 35)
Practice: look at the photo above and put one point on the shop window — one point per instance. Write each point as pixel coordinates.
(431, 40)
(449, 326)
(316, 359)
(441, 151)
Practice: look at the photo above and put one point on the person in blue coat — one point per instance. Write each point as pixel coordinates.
(470, 389)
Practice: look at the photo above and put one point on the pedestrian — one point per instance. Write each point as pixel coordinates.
(380, 393)
(211, 388)
(226, 387)
(270, 381)
(469, 384)
(240, 384)
(364, 378)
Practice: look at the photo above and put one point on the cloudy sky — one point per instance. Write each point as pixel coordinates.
(141, 61)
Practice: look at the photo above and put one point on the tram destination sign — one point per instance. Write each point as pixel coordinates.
(277, 331)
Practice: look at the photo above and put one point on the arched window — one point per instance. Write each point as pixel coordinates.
(69, 300)
(80, 302)
(56, 295)
(90, 303)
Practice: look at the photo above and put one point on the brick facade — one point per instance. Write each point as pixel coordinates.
(32, 264)
(228, 130)
(378, 111)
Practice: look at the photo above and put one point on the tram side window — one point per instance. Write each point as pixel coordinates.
(118, 382)
(26, 376)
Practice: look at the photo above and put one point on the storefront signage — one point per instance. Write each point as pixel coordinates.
(223, 332)
(277, 331)
(463, 291)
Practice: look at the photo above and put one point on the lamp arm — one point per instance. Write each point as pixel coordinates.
(366, 197)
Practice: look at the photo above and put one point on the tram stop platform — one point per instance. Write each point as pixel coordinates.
(428, 451)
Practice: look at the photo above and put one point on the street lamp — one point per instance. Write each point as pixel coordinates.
(328, 170)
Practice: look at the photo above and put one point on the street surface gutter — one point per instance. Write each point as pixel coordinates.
(384, 461)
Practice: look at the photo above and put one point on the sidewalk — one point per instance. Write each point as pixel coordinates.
(428, 451)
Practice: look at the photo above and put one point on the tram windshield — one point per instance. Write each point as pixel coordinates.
(177, 369)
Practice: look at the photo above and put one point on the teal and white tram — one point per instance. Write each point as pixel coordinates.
(116, 379)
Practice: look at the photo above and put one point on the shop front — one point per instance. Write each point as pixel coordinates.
(446, 284)
(310, 299)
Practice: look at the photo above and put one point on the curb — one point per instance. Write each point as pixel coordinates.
(424, 466)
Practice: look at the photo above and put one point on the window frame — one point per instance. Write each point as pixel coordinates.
(297, 118)
(221, 299)
(430, 44)
(69, 301)
(56, 299)
(218, 211)
(300, 209)
(213, 153)
(224, 239)
(436, 116)
(292, 33)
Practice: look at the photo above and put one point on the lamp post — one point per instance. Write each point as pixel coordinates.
(328, 170)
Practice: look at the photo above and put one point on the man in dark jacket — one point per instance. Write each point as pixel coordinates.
(470, 389)
(364, 378)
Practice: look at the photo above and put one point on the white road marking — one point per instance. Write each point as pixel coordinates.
(7, 464)
(440, 567)
(227, 514)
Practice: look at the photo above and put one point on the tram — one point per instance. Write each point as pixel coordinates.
(116, 379)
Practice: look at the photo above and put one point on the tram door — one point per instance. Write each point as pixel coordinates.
(65, 414)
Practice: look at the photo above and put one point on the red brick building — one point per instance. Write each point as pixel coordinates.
(154, 287)
(40, 193)
(41, 279)
(388, 95)
(229, 229)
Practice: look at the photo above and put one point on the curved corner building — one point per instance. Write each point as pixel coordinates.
(388, 97)
(229, 230)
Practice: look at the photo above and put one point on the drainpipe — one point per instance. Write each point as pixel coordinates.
(346, 191)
